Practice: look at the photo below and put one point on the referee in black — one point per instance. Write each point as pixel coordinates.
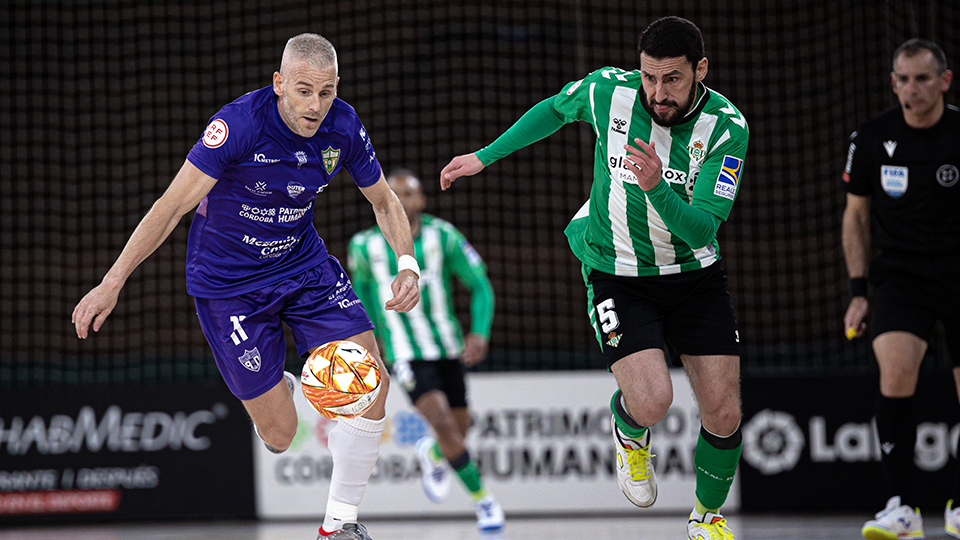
(902, 173)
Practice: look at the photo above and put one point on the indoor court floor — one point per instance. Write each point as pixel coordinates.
(765, 527)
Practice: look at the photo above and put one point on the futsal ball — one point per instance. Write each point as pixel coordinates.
(340, 380)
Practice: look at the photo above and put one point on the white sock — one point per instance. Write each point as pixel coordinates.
(354, 444)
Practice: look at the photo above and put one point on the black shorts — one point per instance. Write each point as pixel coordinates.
(422, 376)
(911, 295)
(687, 313)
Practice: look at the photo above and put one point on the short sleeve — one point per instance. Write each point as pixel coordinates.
(856, 175)
(227, 139)
(361, 160)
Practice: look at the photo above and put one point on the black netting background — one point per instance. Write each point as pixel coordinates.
(101, 101)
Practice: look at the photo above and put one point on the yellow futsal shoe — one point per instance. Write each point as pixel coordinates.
(713, 526)
(895, 522)
(951, 520)
(635, 473)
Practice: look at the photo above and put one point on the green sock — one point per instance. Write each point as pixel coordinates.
(633, 431)
(716, 468)
(470, 476)
(701, 510)
(435, 454)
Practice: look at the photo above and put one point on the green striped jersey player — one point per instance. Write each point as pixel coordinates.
(425, 347)
(668, 162)
(431, 331)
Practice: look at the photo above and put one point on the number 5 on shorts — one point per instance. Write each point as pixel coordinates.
(607, 315)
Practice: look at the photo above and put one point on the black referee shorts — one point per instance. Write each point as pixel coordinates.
(686, 313)
(911, 295)
(447, 376)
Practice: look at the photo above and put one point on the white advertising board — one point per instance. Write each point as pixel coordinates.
(542, 441)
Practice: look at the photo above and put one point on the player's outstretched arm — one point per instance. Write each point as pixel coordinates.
(465, 165)
(856, 251)
(395, 226)
(186, 191)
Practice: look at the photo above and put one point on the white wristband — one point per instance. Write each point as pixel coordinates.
(407, 262)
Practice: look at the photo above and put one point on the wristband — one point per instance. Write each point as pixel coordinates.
(407, 262)
(858, 287)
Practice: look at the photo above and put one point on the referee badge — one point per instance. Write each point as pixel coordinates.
(894, 180)
(947, 175)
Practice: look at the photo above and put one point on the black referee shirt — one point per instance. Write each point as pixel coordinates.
(911, 176)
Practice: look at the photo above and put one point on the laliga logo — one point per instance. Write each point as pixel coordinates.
(772, 442)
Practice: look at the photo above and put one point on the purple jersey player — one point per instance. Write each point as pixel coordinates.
(254, 257)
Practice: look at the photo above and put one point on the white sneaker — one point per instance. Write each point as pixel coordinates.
(434, 476)
(895, 522)
(635, 473)
(711, 527)
(951, 520)
(489, 514)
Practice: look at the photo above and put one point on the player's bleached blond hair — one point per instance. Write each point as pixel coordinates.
(313, 49)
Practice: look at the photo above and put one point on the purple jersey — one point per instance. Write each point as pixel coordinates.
(255, 227)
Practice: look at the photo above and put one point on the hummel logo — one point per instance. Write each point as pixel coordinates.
(887, 447)
(890, 147)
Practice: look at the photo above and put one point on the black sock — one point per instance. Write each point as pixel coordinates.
(897, 429)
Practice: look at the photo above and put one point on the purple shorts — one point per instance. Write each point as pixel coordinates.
(246, 336)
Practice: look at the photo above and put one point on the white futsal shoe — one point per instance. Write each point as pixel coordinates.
(490, 516)
(712, 526)
(895, 522)
(435, 477)
(951, 520)
(635, 473)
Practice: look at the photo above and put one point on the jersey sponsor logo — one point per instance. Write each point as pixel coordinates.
(890, 147)
(330, 157)
(618, 167)
(255, 213)
(573, 88)
(262, 158)
(294, 189)
(697, 150)
(894, 180)
(947, 175)
(259, 189)
(250, 359)
(271, 248)
(216, 134)
(301, 158)
(289, 215)
(849, 165)
(728, 178)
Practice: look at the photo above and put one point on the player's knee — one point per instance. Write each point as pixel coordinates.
(280, 435)
(722, 420)
(650, 408)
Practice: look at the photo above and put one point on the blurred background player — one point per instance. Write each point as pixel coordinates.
(648, 248)
(425, 347)
(902, 170)
(255, 259)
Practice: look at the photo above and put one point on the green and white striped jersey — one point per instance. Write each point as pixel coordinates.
(430, 331)
(618, 231)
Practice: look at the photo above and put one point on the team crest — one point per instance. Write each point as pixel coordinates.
(250, 359)
(614, 339)
(330, 158)
(301, 158)
(697, 151)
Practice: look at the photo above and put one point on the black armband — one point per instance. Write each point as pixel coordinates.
(858, 287)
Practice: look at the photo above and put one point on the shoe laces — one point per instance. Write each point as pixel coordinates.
(639, 462)
(717, 530)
